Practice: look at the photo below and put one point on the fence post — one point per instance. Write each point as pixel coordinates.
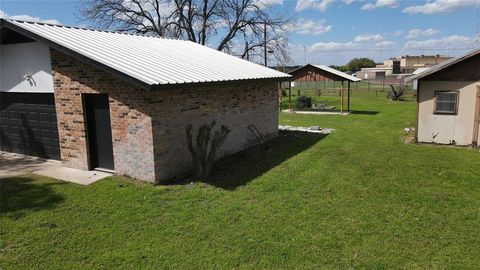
(290, 95)
(342, 97)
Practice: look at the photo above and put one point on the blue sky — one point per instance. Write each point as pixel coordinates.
(334, 31)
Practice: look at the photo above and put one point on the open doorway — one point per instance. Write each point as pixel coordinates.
(97, 113)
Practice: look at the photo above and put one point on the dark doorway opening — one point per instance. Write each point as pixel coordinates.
(97, 112)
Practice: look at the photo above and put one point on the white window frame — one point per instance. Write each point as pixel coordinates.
(455, 112)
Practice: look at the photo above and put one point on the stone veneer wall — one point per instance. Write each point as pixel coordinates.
(235, 105)
(148, 127)
(129, 107)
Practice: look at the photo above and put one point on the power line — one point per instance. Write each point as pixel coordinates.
(386, 50)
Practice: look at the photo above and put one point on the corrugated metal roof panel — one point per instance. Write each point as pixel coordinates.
(331, 71)
(338, 73)
(152, 60)
(420, 70)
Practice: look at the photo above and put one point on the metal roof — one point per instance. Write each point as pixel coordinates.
(376, 69)
(444, 65)
(338, 73)
(150, 60)
(332, 71)
(420, 70)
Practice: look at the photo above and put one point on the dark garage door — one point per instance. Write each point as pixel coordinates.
(28, 124)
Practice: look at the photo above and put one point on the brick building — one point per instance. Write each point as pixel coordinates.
(406, 64)
(104, 100)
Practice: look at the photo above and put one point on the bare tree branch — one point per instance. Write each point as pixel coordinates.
(233, 26)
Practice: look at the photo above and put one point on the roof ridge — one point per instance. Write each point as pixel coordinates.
(92, 29)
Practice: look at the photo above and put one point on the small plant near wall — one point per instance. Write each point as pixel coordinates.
(304, 102)
(207, 146)
(397, 93)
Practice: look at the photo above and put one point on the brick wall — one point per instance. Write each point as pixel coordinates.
(235, 105)
(131, 125)
(148, 127)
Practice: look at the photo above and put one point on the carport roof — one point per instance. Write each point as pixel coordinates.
(144, 60)
(337, 73)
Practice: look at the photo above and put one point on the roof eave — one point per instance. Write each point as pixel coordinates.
(209, 83)
(345, 79)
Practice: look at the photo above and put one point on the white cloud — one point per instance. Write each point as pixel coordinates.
(397, 33)
(368, 37)
(328, 46)
(385, 44)
(29, 18)
(454, 41)
(414, 33)
(348, 2)
(320, 5)
(380, 4)
(339, 53)
(269, 3)
(310, 27)
(440, 6)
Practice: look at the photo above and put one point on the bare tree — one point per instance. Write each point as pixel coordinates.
(233, 26)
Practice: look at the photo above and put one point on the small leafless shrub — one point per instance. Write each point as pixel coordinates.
(397, 93)
(204, 153)
(304, 102)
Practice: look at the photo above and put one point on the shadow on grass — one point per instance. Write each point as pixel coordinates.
(365, 112)
(21, 194)
(238, 169)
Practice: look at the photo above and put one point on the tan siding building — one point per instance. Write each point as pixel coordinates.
(449, 102)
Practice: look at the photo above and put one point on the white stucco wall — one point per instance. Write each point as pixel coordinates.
(18, 60)
(446, 129)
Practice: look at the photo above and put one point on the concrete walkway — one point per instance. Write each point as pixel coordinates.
(16, 164)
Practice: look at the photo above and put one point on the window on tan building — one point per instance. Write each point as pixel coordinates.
(446, 102)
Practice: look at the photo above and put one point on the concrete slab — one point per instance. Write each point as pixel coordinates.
(317, 112)
(16, 164)
(313, 129)
(72, 175)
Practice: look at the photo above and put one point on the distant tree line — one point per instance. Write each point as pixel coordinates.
(356, 64)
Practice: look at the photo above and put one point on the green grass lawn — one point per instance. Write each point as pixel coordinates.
(357, 198)
(331, 97)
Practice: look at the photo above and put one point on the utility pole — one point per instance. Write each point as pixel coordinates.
(478, 30)
(265, 43)
(305, 54)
